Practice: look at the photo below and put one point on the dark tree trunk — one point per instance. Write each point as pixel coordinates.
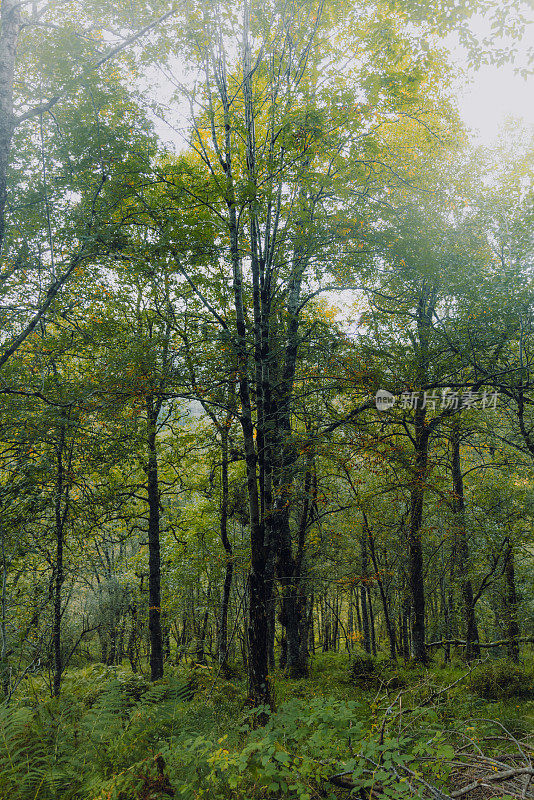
(335, 631)
(371, 621)
(445, 628)
(425, 310)
(415, 547)
(511, 603)
(358, 614)
(390, 627)
(365, 620)
(363, 593)
(153, 407)
(350, 615)
(61, 505)
(166, 637)
(286, 568)
(222, 633)
(293, 615)
(311, 626)
(472, 649)
(272, 631)
(132, 648)
(200, 655)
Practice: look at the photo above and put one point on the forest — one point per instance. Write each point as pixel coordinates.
(267, 402)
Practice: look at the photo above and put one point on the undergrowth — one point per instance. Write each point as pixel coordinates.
(114, 736)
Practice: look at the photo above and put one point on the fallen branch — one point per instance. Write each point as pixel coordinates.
(498, 643)
(495, 776)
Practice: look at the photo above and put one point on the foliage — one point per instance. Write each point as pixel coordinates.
(362, 668)
(500, 680)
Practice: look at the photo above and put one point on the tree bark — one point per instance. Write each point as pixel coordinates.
(60, 516)
(153, 407)
(425, 310)
(415, 547)
(462, 548)
(511, 602)
(390, 627)
(222, 633)
(363, 593)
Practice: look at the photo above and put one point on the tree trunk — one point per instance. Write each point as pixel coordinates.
(365, 619)
(445, 628)
(154, 562)
(200, 656)
(511, 602)
(363, 593)
(60, 515)
(415, 547)
(425, 310)
(371, 621)
(222, 633)
(132, 648)
(390, 627)
(472, 649)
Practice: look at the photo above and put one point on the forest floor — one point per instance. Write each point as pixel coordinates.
(391, 731)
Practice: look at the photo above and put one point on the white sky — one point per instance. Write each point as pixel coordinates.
(487, 97)
(494, 93)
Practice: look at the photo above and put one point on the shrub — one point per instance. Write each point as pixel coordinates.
(362, 668)
(499, 680)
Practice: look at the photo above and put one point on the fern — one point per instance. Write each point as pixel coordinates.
(37, 760)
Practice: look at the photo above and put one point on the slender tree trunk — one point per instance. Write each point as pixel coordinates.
(363, 593)
(311, 626)
(445, 628)
(511, 603)
(200, 656)
(271, 620)
(422, 429)
(153, 407)
(365, 619)
(222, 634)
(390, 627)
(472, 649)
(132, 648)
(406, 629)
(350, 615)
(358, 614)
(60, 515)
(415, 547)
(371, 621)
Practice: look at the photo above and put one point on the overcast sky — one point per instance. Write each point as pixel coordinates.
(495, 93)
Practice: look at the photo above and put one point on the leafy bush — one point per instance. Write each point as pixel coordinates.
(499, 680)
(362, 668)
(291, 755)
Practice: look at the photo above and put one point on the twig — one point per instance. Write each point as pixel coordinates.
(497, 776)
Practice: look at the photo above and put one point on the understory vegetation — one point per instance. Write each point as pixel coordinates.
(112, 734)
